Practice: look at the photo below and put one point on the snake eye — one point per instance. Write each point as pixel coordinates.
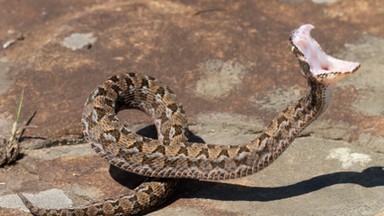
(293, 49)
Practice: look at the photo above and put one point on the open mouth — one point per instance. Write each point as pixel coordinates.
(318, 60)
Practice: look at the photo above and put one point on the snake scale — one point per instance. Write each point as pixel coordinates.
(171, 156)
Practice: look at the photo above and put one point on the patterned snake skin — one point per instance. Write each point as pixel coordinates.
(171, 156)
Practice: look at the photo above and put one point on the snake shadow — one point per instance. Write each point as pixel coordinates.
(368, 178)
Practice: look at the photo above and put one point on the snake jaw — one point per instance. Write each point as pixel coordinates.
(316, 65)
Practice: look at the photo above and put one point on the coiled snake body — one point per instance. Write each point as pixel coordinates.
(171, 156)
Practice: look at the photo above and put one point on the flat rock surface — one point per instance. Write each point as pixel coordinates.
(229, 63)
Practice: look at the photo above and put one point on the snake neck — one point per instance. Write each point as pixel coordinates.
(321, 96)
(288, 124)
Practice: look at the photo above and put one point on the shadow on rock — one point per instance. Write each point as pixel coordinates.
(370, 177)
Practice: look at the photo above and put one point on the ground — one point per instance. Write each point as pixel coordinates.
(230, 65)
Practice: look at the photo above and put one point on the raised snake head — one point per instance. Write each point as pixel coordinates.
(315, 64)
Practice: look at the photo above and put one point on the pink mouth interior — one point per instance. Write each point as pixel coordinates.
(318, 60)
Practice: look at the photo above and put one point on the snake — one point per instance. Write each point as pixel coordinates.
(171, 156)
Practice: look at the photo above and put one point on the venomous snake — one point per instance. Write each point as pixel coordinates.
(171, 156)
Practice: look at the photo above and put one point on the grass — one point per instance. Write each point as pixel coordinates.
(15, 130)
(12, 148)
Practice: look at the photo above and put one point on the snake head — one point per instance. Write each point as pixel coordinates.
(315, 64)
